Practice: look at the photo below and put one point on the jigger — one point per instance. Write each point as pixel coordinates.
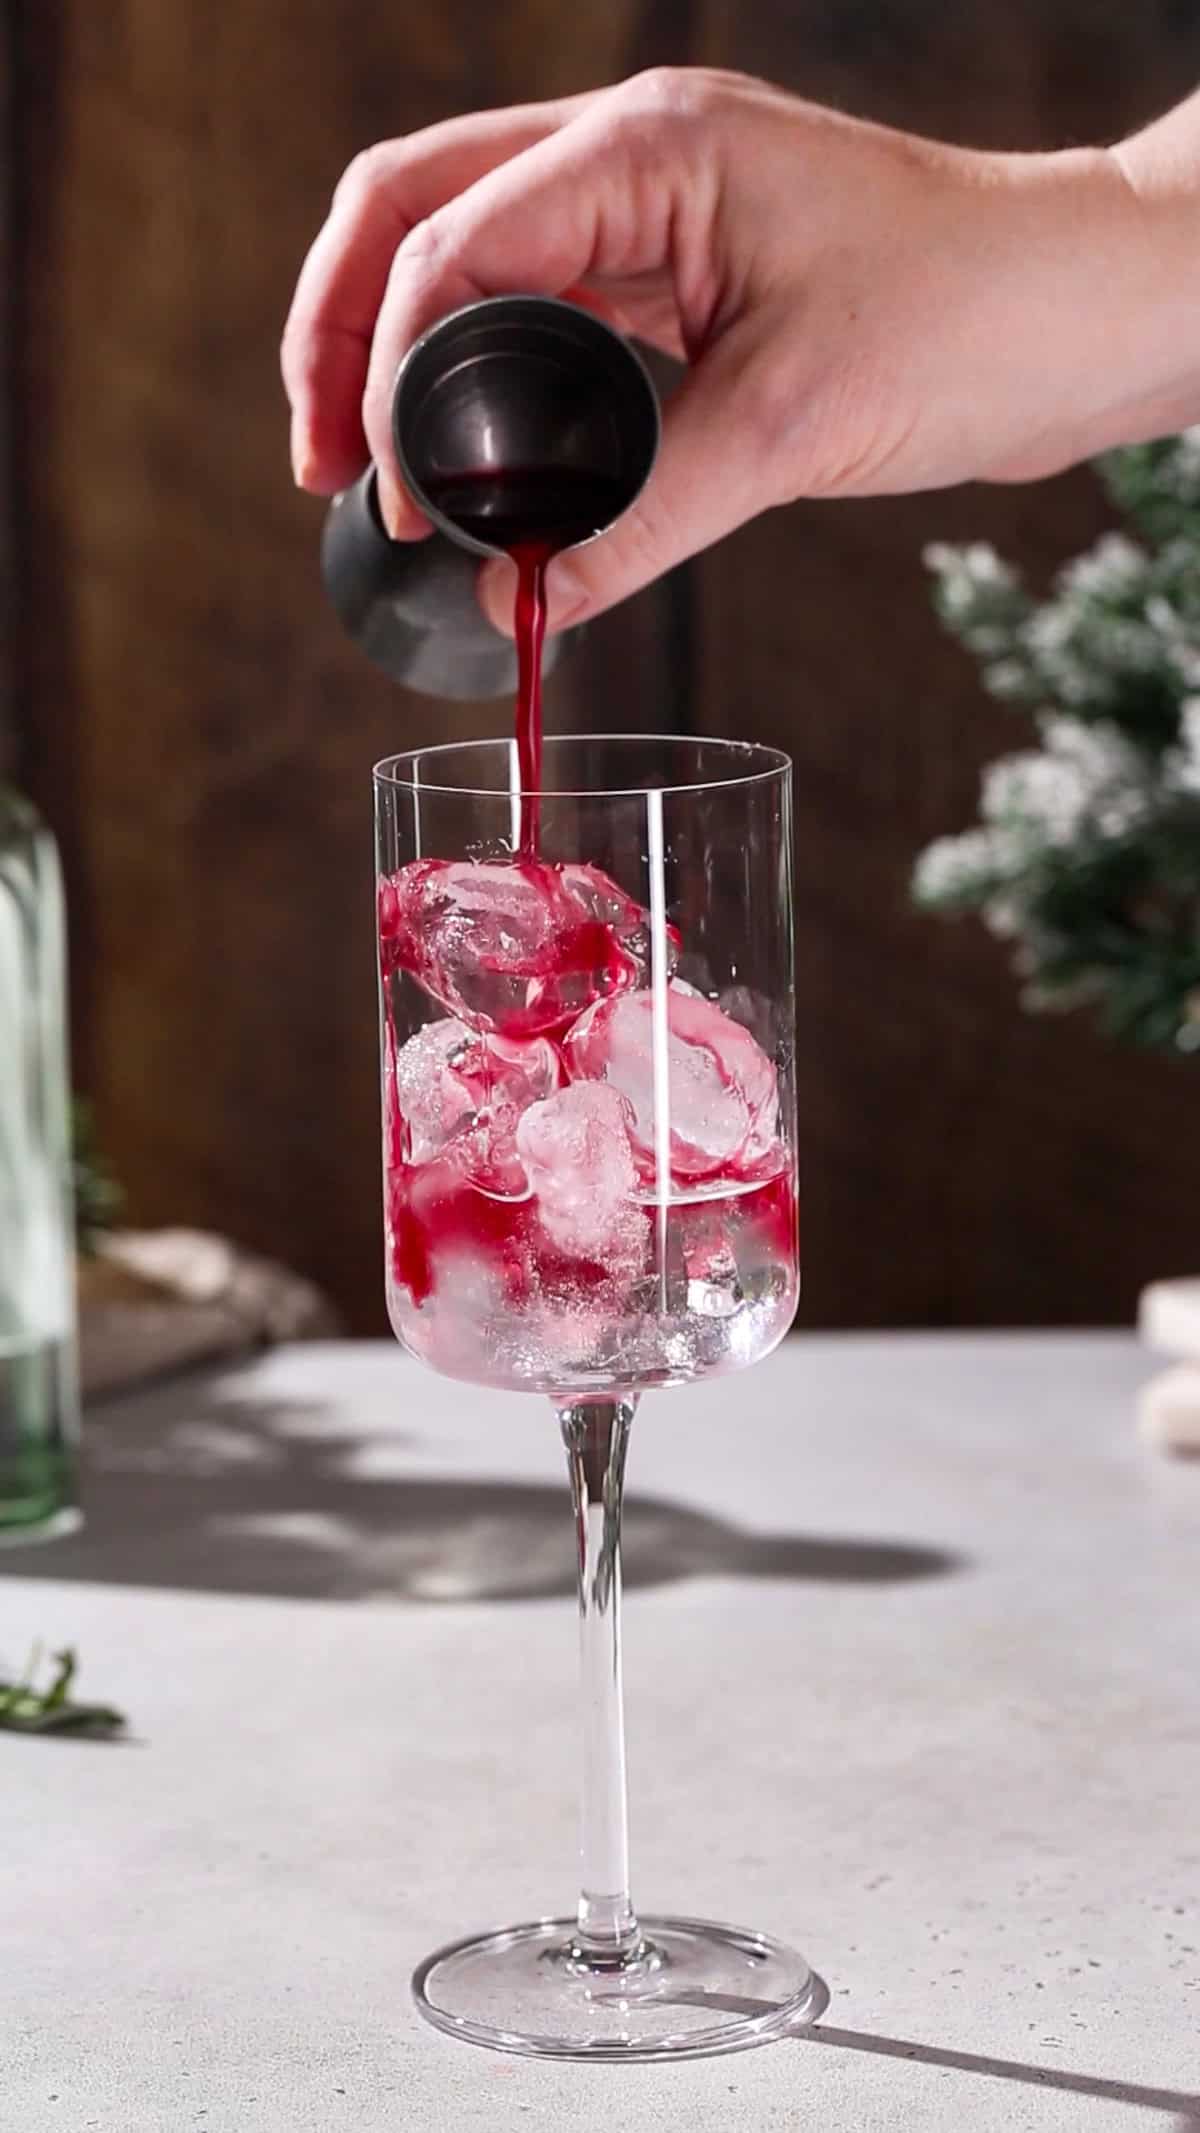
(528, 383)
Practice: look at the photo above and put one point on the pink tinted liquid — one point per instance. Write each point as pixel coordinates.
(479, 1291)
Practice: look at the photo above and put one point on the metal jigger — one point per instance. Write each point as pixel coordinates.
(525, 382)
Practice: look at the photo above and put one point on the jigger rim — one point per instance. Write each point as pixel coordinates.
(544, 309)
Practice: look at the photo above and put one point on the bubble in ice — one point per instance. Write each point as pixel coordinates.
(461, 1090)
(720, 1100)
(519, 947)
(576, 1151)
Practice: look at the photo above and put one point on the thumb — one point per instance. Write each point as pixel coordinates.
(712, 473)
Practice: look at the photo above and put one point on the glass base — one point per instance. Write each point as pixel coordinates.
(692, 1989)
(43, 1526)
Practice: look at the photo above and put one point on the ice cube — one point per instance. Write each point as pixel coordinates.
(602, 898)
(598, 896)
(576, 1152)
(720, 1097)
(441, 1229)
(460, 1090)
(433, 1093)
(515, 946)
(754, 1010)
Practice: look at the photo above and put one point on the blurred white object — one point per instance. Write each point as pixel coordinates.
(1169, 1317)
(160, 1300)
(1169, 1406)
(1169, 1409)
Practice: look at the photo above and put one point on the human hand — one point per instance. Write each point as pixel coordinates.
(861, 311)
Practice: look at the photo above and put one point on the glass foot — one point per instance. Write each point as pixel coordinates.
(50, 1527)
(693, 1988)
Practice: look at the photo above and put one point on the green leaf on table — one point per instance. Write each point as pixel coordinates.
(26, 1708)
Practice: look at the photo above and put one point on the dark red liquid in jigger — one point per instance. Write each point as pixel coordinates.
(532, 514)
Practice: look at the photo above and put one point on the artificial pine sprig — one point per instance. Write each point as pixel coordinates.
(1087, 853)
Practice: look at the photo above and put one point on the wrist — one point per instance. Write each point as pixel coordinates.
(1136, 285)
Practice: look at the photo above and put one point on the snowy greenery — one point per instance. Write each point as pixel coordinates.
(1087, 854)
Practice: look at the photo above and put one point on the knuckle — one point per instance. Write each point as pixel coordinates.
(429, 245)
(365, 174)
(646, 539)
(671, 96)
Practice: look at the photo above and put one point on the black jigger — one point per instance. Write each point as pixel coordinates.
(524, 385)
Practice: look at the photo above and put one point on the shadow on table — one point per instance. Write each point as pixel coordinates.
(224, 1495)
(1098, 2087)
(1062, 2079)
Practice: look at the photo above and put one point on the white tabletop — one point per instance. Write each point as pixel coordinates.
(913, 1662)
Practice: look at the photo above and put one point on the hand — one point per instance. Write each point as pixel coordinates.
(860, 311)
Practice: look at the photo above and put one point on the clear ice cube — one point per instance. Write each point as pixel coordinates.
(519, 947)
(718, 1093)
(576, 1151)
(461, 1091)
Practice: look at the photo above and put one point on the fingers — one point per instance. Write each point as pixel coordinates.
(714, 471)
(384, 194)
(586, 200)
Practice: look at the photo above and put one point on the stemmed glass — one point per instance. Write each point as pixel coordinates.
(590, 1189)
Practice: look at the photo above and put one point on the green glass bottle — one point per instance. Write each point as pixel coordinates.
(39, 1400)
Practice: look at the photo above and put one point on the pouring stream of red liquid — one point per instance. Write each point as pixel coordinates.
(532, 514)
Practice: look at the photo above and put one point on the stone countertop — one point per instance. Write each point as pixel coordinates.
(913, 1671)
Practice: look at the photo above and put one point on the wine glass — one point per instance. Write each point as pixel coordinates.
(590, 1188)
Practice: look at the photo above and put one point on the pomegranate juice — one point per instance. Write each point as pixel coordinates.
(531, 514)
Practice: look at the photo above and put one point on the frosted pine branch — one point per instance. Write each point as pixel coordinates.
(1086, 855)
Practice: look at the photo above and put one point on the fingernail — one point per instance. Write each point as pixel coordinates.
(386, 498)
(396, 510)
(303, 465)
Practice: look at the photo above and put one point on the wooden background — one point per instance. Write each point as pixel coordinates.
(199, 734)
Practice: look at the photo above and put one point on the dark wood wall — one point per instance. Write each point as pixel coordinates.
(200, 734)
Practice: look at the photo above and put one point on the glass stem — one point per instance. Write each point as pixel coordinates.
(596, 1434)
